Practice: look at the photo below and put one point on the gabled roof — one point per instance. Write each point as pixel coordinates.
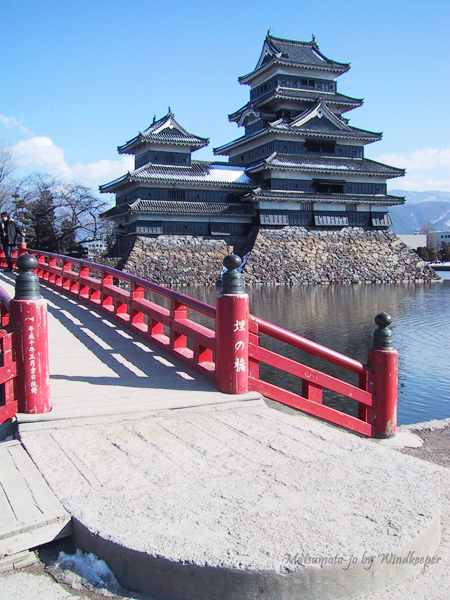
(251, 108)
(326, 164)
(165, 131)
(293, 53)
(316, 122)
(261, 107)
(320, 110)
(200, 172)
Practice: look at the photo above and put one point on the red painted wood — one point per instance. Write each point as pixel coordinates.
(384, 364)
(31, 348)
(196, 332)
(177, 311)
(232, 343)
(8, 411)
(311, 391)
(318, 410)
(311, 375)
(297, 341)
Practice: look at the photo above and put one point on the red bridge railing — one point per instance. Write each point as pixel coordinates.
(8, 368)
(125, 298)
(313, 382)
(231, 354)
(24, 369)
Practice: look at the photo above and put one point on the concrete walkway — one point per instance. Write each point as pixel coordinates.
(223, 499)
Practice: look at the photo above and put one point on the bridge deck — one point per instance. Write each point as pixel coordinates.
(99, 370)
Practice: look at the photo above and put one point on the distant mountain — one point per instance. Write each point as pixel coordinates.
(419, 207)
(416, 197)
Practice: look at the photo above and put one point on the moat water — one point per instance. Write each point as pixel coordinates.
(341, 318)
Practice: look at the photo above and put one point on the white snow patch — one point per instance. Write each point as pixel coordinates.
(82, 570)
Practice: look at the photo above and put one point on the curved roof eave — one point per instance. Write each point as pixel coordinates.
(338, 68)
(102, 188)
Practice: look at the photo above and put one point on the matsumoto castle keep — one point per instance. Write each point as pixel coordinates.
(296, 183)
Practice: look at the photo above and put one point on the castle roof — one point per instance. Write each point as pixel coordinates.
(293, 53)
(168, 207)
(261, 107)
(200, 172)
(285, 93)
(326, 164)
(263, 193)
(318, 121)
(164, 131)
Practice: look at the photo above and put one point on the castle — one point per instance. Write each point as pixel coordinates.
(299, 164)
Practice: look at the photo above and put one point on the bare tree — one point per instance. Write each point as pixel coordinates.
(428, 229)
(66, 214)
(7, 167)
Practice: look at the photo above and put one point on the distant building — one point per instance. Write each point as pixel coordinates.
(413, 240)
(436, 238)
(95, 248)
(299, 161)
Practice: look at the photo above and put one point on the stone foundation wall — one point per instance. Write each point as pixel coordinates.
(294, 255)
(291, 255)
(178, 259)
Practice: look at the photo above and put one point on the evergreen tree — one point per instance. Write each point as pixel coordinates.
(43, 210)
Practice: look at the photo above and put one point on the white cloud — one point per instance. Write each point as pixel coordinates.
(422, 183)
(41, 154)
(427, 158)
(426, 170)
(10, 122)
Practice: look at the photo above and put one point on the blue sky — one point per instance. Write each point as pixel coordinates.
(77, 79)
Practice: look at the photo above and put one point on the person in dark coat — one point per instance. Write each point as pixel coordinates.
(10, 236)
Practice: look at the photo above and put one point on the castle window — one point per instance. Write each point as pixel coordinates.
(311, 83)
(320, 147)
(170, 159)
(177, 195)
(328, 187)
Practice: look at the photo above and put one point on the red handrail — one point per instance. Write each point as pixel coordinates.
(297, 341)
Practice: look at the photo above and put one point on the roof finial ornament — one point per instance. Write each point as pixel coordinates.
(313, 39)
(170, 113)
(154, 119)
(269, 32)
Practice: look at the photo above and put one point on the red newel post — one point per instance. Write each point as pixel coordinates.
(28, 316)
(383, 359)
(232, 331)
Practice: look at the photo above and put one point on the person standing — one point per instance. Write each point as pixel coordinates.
(11, 235)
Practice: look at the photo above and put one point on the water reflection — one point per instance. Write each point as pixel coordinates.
(341, 317)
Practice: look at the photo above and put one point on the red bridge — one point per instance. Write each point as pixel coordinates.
(225, 344)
